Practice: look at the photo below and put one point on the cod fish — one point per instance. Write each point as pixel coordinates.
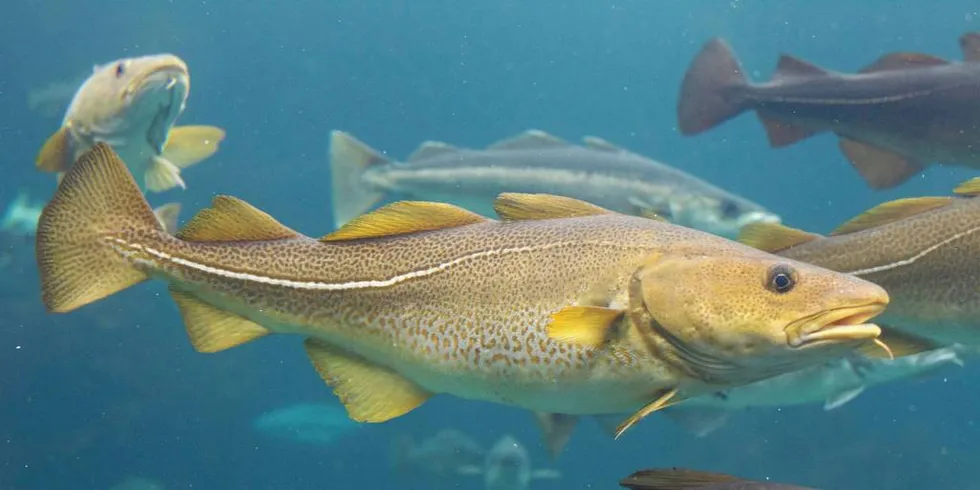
(684, 479)
(562, 306)
(924, 251)
(132, 104)
(895, 117)
(447, 453)
(833, 384)
(508, 467)
(536, 162)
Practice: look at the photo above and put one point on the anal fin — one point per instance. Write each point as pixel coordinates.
(880, 168)
(842, 398)
(370, 393)
(556, 430)
(212, 329)
(782, 133)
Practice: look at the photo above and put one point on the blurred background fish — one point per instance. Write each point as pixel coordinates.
(684, 479)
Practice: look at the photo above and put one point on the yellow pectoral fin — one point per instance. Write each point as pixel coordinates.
(369, 392)
(188, 145)
(587, 326)
(211, 329)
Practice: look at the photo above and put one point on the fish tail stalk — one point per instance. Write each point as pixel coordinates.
(707, 97)
(97, 199)
(349, 160)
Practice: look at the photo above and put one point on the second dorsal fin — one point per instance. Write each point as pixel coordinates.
(513, 206)
(903, 61)
(432, 149)
(230, 219)
(532, 139)
(404, 217)
(890, 212)
(791, 66)
(773, 237)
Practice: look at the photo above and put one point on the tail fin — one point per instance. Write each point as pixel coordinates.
(705, 99)
(77, 263)
(349, 159)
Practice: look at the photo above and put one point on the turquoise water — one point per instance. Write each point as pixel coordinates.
(115, 389)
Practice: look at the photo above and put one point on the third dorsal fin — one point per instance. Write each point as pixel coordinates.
(532, 139)
(513, 206)
(903, 61)
(404, 217)
(791, 66)
(773, 237)
(231, 219)
(432, 149)
(599, 144)
(891, 211)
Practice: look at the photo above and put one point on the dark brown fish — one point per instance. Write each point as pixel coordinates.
(680, 478)
(894, 117)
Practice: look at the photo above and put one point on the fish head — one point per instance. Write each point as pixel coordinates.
(718, 213)
(508, 465)
(744, 316)
(138, 97)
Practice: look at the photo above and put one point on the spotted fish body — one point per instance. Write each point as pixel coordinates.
(587, 312)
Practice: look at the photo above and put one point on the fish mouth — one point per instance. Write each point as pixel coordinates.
(838, 325)
(166, 76)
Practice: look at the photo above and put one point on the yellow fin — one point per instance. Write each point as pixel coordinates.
(230, 219)
(405, 217)
(969, 188)
(55, 155)
(187, 145)
(899, 344)
(556, 429)
(890, 212)
(664, 401)
(212, 329)
(369, 392)
(162, 175)
(586, 326)
(513, 206)
(167, 216)
(773, 237)
(98, 198)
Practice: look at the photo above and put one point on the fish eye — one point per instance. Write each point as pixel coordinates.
(781, 279)
(729, 209)
(120, 69)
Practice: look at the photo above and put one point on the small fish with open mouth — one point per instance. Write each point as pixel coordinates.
(132, 104)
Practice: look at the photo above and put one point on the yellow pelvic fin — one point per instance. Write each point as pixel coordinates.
(903, 60)
(773, 237)
(230, 219)
(890, 212)
(350, 159)
(586, 326)
(513, 206)
(369, 392)
(405, 217)
(678, 479)
(96, 200)
(532, 139)
(55, 155)
(899, 344)
(167, 215)
(187, 145)
(599, 144)
(432, 149)
(556, 430)
(212, 329)
(969, 188)
(162, 175)
(664, 401)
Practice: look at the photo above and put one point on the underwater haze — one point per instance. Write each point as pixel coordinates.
(115, 392)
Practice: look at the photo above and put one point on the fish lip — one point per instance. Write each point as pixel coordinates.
(173, 71)
(846, 324)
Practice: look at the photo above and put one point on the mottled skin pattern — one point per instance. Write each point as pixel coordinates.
(937, 295)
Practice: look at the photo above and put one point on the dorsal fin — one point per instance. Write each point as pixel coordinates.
(599, 144)
(970, 45)
(890, 212)
(404, 217)
(903, 61)
(773, 237)
(431, 149)
(969, 188)
(790, 66)
(230, 219)
(513, 206)
(532, 139)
